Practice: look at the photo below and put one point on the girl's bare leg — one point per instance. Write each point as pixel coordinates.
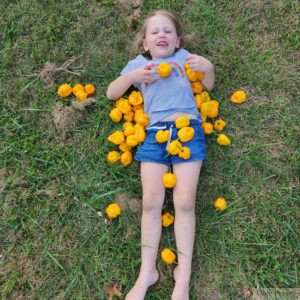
(153, 199)
(184, 194)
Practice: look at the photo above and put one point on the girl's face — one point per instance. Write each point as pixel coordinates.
(161, 37)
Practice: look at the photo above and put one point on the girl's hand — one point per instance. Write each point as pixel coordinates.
(143, 75)
(198, 63)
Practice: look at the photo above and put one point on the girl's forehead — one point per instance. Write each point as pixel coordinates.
(159, 20)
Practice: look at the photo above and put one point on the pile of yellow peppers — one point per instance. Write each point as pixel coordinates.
(135, 120)
(79, 91)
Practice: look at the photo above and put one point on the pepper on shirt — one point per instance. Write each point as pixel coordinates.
(169, 95)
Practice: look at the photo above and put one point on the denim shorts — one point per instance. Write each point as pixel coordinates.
(152, 151)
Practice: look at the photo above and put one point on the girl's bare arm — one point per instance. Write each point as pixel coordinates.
(201, 64)
(119, 86)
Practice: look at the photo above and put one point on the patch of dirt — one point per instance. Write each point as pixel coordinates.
(24, 266)
(133, 3)
(206, 287)
(3, 174)
(50, 71)
(65, 118)
(125, 202)
(51, 192)
(135, 11)
(129, 232)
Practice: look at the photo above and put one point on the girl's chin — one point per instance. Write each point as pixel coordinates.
(161, 53)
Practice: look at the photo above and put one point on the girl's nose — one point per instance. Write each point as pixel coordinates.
(162, 34)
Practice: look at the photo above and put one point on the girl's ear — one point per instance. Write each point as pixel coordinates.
(145, 46)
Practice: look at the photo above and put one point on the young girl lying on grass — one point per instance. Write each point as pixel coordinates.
(166, 99)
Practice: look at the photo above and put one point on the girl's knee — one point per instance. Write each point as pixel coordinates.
(184, 203)
(152, 202)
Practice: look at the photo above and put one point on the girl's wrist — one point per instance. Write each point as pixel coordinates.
(132, 76)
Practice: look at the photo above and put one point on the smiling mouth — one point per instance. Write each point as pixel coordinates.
(162, 44)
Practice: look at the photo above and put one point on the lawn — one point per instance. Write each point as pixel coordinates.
(53, 244)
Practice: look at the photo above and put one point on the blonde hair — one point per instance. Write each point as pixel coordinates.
(138, 44)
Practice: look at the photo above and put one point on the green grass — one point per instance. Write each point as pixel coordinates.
(53, 244)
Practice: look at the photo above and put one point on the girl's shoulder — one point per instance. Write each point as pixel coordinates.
(182, 53)
(135, 63)
(138, 59)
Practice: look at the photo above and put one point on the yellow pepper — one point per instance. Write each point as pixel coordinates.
(205, 108)
(77, 87)
(204, 97)
(132, 140)
(129, 131)
(215, 103)
(127, 124)
(197, 87)
(89, 89)
(129, 116)
(167, 219)
(210, 108)
(174, 147)
(185, 134)
(117, 137)
(162, 136)
(135, 98)
(219, 124)
(184, 153)
(203, 117)
(200, 75)
(137, 107)
(182, 121)
(213, 113)
(207, 127)
(141, 118)
(64, 90)
(139, 132)
(126, 158)
(191, 75)
(238, 97)
(81, 95)
(113, 210)
(164, 69)
(168, 256)
(139, 112)
(223, 140)
(198, 100)
(124, 147)
(115, 114)
(186, 66)
(113, 156)
(124, 106)
(169, 180)
(128, 128)
(220, 204)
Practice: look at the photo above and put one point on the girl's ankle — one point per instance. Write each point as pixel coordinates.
(182, 274)
(148, 272)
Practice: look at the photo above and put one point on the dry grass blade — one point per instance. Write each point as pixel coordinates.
(112, 291)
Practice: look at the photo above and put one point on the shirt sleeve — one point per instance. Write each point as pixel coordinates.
(138, 62)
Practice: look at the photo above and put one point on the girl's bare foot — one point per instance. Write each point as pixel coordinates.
(141, 286)
(182, 285)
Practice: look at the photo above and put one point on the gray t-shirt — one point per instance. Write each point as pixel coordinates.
(169, 95)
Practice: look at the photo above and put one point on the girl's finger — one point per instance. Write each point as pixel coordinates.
(151, 80)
